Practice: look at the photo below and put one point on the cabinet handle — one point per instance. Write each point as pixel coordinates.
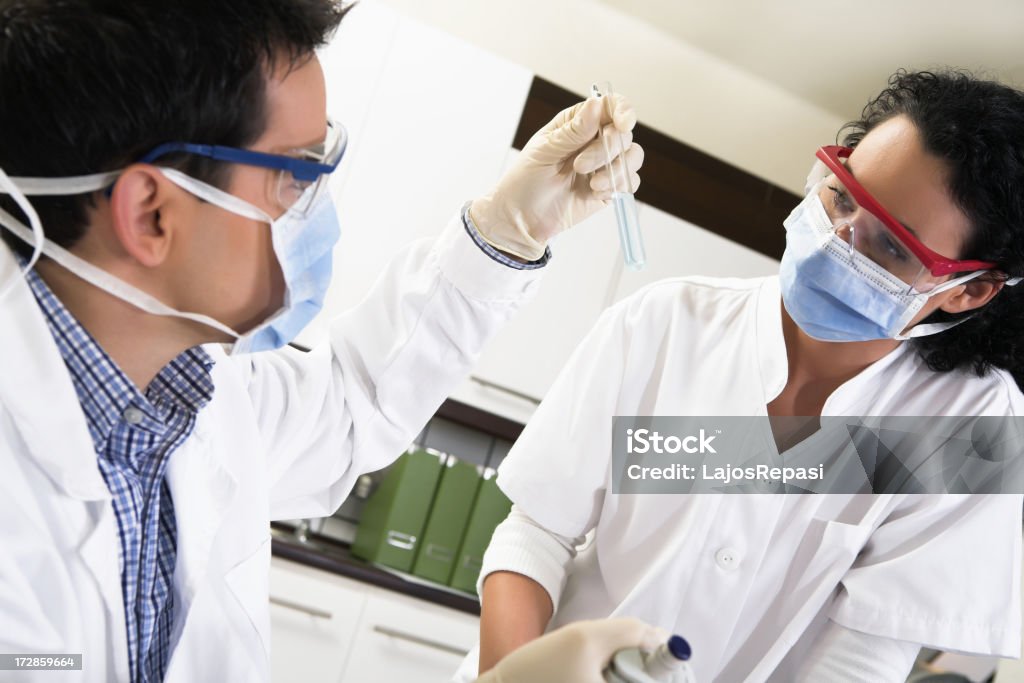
(401, 541)
(311, 611)
(439, 552)
(511, 392)
(444, 647)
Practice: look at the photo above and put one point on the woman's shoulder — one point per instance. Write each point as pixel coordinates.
(695, 294)
(962, 391)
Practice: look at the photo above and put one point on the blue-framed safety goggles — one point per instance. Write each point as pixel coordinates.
(300, 179)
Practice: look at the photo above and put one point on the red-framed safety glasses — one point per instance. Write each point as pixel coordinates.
(935, 264)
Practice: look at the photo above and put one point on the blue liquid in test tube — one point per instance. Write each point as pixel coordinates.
(622, 191)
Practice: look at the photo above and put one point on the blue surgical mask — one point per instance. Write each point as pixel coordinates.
(835, 294)
(303, 244)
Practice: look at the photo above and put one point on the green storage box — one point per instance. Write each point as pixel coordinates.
(490, 510)
(392, 522)
(447, 522)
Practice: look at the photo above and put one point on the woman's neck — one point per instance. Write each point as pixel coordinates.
(817, 368)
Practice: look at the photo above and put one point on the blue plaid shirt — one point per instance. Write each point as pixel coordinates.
(135, 434)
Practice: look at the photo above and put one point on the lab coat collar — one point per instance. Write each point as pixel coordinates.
(204, 485)
(203, 489)
(771, 345)
(37, 391)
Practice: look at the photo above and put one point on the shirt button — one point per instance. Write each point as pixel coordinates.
(728, 558)
(132, 416)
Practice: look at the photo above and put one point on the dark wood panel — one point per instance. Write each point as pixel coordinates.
(684, 181)
(480, 420)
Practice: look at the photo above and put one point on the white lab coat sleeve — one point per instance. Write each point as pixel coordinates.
(840, 655)
(354, 404)
(942, 571)
(523, 546)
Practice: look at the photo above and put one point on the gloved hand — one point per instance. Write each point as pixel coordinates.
(576, 653)
(548, 189)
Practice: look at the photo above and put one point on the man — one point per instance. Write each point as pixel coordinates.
(170, 159)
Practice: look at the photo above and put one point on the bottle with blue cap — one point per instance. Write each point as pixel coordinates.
(668, 664)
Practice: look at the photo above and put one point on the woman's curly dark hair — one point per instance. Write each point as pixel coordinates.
(977, 127)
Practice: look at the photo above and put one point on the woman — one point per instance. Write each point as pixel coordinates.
(895, 297)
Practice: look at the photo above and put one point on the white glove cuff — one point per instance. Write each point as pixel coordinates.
(510, 238)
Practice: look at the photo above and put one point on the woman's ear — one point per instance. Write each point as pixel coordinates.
(971, 295)
(138, 206)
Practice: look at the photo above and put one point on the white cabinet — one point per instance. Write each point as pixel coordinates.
(330, 629)
(313, 623)
(404, 639)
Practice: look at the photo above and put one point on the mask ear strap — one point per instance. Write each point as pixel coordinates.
(35, 236)
(69, 185)
(934, 328)
(925, 330)
(104, 280)
(955, 282)
(218, 197)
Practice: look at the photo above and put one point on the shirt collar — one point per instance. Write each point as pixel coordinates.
(108, 398)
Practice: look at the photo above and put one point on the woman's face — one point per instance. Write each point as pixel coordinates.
(912, 184)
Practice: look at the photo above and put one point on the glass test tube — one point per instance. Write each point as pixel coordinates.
(622, 187)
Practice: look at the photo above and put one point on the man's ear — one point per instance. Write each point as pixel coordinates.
(971, 295)
(138, 204)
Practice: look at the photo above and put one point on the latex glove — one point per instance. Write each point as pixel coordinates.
(576, 653)
(548, 189)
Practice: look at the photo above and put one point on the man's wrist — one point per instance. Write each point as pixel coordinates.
(497, 253)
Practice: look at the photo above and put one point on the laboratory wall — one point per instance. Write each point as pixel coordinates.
(679, 89)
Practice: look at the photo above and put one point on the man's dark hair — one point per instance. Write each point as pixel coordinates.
(976, 127)
(88, 86)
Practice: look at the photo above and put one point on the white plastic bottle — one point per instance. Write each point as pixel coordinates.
(667, 664)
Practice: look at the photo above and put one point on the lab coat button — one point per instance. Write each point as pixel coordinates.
(132, 416)
(727, 558)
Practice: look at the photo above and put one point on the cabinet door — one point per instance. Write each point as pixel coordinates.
(405, 639)
(314, 618)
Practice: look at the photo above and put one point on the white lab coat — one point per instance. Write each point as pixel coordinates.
(751, 579)
(285, 436)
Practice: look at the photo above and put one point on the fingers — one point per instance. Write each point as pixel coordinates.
(604, 637)
(578, 125)
(575, 126)
(601, 181)
(594, 155)
(623, 115)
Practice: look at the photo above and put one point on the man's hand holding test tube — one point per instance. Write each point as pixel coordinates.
(570, 169)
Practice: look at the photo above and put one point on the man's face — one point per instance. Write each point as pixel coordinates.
(226, 265)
